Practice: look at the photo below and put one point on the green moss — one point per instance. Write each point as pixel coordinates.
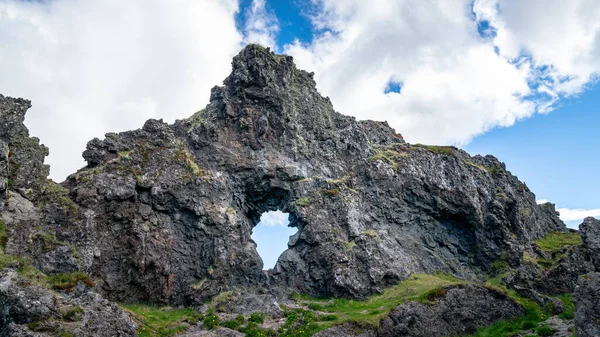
(556, 241)
(569, 304)
(3, 237)
(224, 300)
(350, 245)
(374, 308)
(161, 321)
(433, 294)
(58, 195)
(304, 201)
(68, 281)
(48, 240)
(73, 314)
(444, 150)
(198, 285)
(493, 170)
(370, 233)
(478, 166)
(545, 330)
(386, 156)
(500, 266)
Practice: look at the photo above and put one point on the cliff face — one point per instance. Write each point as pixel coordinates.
(165, 213)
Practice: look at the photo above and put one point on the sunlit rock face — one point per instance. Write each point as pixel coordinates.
(165, 213)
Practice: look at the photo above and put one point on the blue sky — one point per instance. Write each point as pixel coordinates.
(516, 79)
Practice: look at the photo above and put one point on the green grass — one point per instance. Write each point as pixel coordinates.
(533, 315)
(556, 241)
(3, 237)
(68, 281)
(24, 268)
(446, 150)
(387, 156)
(304, 201)
(569, 311)
(161, 321)
(374, 308)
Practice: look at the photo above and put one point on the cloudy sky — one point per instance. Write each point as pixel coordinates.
(513, 78)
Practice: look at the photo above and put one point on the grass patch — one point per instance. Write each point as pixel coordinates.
(533, 315)
(374, 308)
(257, 317)
(23, 267)
(493, 170)
(48, 240)
(68, 281)
(3, 237)
(386, 156)
(556, 241)
(569, 312)
(161, 321)
(304, 201)
(445, 150)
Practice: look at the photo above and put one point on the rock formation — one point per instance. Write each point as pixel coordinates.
(164, 214)
(587, 302)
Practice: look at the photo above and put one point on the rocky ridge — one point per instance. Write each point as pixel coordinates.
(164, 214)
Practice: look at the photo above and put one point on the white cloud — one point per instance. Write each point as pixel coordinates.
(456, 83)
(567, 214)
(92, 67)
(274, 219)
(261, 25)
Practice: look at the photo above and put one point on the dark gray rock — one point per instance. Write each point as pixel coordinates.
(460, 311)
(587, 304)
(165, 213)
(590, 233)
(348, 330)
(27, 310)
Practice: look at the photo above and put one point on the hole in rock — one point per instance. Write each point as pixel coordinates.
(271, 235)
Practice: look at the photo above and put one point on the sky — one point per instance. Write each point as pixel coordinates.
(517, 79)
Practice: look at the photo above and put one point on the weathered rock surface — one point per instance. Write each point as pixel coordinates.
(27, 309)
(460, 311)
(587, 305)
(165, 213)
(590, 233)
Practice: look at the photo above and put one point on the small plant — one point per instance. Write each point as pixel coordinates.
(494, 169)
(331, 193)
(68, 281)
(161, 321)
(210, 320)
(304, 201)
(500, 266)
(3, 237)
(545, 330)
(556, 241)
(73, 314)
(257, 317)
(432, 295)
(231, 324)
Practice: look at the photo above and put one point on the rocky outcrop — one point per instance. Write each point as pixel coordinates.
(28, 309)
(459, 310)
(590, 233)
(587, 302)
(452, 311)
(165, 213)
